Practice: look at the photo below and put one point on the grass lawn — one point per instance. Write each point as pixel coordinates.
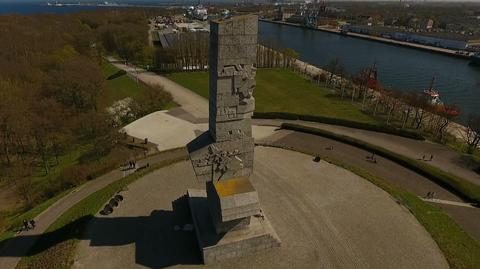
(281, 90)
(118, 88)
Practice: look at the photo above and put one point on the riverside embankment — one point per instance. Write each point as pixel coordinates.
(448, 52)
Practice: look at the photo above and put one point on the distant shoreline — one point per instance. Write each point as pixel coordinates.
(431, 49)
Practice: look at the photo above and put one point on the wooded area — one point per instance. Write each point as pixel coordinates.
(54, 131)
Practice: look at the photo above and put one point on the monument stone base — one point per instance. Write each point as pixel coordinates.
(258, 235)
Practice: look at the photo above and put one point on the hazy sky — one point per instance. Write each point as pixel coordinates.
(76, 1)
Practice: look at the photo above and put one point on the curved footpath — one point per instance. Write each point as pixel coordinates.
(14, 249)
(321, 223)
(466, 216)
(444, 157)
(194, 108)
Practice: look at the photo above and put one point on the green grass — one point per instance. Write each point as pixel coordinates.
(71, 157)
(281, 90)
(56, 247)
(118, 88)
(195, 81)
(39, 181)
(456, 184)
(15, 222)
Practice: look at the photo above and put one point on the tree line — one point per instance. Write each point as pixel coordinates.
(404, 109)
(50, 86)
(189, 52)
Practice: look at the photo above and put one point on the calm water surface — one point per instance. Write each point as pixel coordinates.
(399, 67)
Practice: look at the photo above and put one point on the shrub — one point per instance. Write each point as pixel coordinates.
(73, 176)
(341, 122)
(458, 185)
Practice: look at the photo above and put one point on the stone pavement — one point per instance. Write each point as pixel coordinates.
(327, 217)
(12, 251)
(445, 158)
(467, 218)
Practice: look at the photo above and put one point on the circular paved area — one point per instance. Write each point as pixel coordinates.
(325, 216)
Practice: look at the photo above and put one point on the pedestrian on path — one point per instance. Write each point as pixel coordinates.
(423, 158)
(25, 225)
(431, 157)
(32, 223)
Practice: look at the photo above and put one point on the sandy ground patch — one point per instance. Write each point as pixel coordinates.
(325, 216)
(168, 132)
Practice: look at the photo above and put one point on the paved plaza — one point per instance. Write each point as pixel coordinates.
(326, 217)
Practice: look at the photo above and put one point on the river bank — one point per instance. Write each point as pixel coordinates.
(448, 52)
(455, 129)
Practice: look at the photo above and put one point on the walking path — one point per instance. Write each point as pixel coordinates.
(191, 102)
(196, 107)
(13, 250)
(439, 201)
(444, 157)
(467, 218)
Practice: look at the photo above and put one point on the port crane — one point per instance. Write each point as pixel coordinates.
(311, 12)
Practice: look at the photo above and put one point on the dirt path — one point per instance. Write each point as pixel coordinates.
(17, 247)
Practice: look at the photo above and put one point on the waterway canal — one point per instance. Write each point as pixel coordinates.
(399, 67)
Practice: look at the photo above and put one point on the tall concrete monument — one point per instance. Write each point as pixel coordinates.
(227, 216)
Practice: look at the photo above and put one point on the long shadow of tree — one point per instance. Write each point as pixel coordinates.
(157, 244)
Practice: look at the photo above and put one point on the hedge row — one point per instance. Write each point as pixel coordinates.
(117, 74)
(347, 123)
(462, 187)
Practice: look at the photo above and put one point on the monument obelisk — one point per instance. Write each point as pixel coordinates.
(227, 216)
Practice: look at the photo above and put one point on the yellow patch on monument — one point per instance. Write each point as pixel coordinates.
(233, 186)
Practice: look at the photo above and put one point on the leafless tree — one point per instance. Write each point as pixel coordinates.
(472, 132)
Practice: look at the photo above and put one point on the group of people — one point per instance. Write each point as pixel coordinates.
(426, 159)
(372, 158)
(28, 224)
(430, 195)
(132, 164)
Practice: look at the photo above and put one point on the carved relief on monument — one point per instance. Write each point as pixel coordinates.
(242, 80)
(219, 161)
